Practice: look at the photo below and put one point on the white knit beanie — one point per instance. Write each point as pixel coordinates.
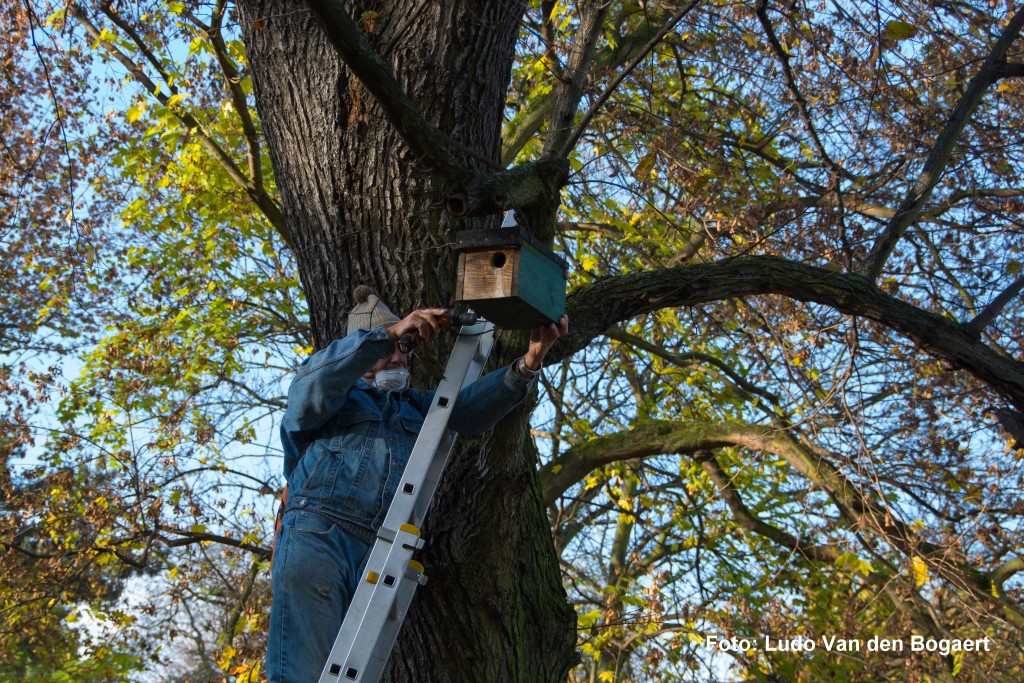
(369, 311)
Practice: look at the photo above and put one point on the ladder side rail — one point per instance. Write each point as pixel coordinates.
(431, 479)
(374, 666)
(389, 633)
(464, 367)
(369, 608)
(435, 468)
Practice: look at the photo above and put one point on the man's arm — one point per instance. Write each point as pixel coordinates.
(323, 380)
(484, 402)
(487, 400)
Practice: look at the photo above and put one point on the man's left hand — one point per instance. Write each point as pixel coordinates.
(542, 338)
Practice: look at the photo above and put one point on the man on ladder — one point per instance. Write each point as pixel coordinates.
(349, 428)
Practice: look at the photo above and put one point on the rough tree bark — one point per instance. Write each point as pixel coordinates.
(363, 208)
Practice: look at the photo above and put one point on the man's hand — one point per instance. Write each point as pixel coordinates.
(422, 325)
(541, 339)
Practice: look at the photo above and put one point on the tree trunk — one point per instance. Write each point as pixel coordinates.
(363, 209)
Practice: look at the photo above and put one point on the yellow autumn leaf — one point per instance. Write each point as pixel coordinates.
(919, 570)
(239, 669)
(135, 112)
(225, 657)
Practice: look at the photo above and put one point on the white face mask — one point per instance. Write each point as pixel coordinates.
(391, 379)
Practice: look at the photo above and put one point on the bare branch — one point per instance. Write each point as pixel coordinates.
(782, 56)
(864, 207)
(747, 519)
(112, 14)
(691, 357)
(991, 71)
(989, 313)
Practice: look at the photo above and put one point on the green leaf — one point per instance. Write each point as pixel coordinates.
(135, 112)
(898, 30)
(645, 165)
(852, 562)
(588, 619)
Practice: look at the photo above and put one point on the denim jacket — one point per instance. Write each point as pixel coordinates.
(346, 443)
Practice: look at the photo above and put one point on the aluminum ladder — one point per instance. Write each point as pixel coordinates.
(391, 576)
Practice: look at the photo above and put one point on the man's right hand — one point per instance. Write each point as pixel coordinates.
(422, 325)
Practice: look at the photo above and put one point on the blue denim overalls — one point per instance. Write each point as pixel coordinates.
(345, 446)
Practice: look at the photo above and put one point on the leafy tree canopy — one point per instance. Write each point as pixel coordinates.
(792, 399)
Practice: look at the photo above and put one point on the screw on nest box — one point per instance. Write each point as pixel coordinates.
(509, 277)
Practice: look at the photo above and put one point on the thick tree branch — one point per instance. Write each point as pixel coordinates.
(376, 76)
(1003, 572)
(1013, 70)
(860, 507)
(234, 83)
(529, 184)
(243, 600)
(993, 68)
(645, 440)
(524, 125)
(569, 89)
(190, 537)
(529, 121)
(595, 307)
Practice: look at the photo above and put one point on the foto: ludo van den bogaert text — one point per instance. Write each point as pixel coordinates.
(942, 646)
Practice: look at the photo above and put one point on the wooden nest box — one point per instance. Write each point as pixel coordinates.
(509, 277)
